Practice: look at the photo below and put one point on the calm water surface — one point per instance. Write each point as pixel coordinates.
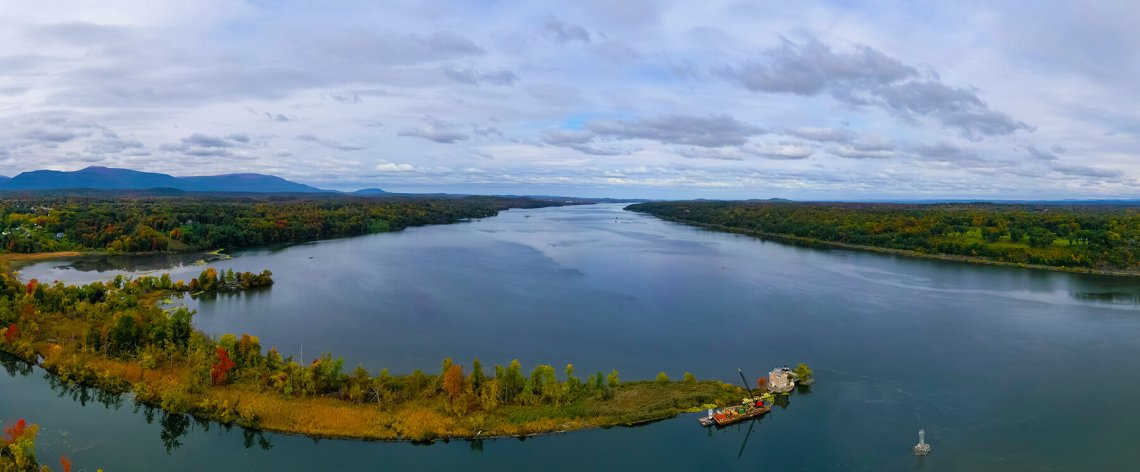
(1004, 368)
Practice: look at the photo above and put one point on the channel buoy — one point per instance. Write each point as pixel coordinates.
(921, 449)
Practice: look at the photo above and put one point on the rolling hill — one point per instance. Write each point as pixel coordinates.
(107, 178)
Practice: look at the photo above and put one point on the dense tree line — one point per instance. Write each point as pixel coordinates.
(44, 223)
(1078, 236)
(209, 280)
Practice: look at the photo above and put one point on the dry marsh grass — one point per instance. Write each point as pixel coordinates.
(416, 419)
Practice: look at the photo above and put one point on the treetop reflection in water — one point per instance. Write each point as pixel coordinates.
(174, 426)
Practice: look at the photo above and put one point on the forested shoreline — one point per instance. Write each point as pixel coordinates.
(128, 223)
(1101, 238)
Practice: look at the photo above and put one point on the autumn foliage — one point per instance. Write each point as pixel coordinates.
(453, 381)
(126, 223)
(15, 432)
(11, 332)
(222, 366)
(64, 463)
(18, 448)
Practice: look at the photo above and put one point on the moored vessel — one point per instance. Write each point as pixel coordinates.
(750, 407)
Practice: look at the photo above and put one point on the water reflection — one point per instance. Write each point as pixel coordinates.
(135, 263)
(782, 401)
(1114, 298)
(252, 436)
(174, 426)
(83, 394)
(476, 445)
(15, 366)
(751, 426)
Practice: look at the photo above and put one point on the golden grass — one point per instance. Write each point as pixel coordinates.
(316, 416)
(6, 258)
(13, 257)
(418, 419)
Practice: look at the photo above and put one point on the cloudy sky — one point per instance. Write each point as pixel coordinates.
(718, 99)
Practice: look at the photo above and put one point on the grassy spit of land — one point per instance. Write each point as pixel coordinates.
(1075, 238)
(114, 336)
(7, 258)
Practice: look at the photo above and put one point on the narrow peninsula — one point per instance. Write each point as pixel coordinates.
(114, 336)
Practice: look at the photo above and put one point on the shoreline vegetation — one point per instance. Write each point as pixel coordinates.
(113, 336)
(924, 228)
(56, 225)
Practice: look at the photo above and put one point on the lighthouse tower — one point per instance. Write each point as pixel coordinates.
(921, 449)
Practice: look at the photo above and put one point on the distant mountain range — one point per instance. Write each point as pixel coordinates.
(369, 191)
(106, 178)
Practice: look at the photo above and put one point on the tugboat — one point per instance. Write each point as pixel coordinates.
(749, 408)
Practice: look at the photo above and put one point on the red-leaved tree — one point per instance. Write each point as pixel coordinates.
(14, 432)
(64, 463)
(11, 332)
(222, 366)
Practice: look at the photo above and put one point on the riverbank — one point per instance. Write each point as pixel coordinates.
(110, 222)
(898, 252)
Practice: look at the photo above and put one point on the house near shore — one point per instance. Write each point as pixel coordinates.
(781, 380)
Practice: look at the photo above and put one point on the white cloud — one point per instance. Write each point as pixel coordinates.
(385, 166)
(859, 100)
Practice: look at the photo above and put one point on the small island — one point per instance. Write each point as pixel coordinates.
(209, 281)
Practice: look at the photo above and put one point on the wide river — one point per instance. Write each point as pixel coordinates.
(1006, 369)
